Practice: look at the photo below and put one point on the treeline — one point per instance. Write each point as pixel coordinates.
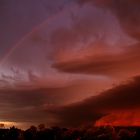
(57, 133)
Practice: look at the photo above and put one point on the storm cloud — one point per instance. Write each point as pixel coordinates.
(127, 12)
(125, 96)
(60, 60)
(121, 64)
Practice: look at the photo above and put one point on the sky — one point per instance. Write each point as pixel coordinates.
(69, 63)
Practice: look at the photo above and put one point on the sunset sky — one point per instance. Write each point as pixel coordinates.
(69, 62)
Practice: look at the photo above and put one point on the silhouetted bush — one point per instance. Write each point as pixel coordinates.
(57, 133)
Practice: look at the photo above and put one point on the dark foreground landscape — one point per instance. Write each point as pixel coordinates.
(56, 133)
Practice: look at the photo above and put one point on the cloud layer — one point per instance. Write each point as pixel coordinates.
(55, 72)
(123, 97)
(127, 12)
(121, 64)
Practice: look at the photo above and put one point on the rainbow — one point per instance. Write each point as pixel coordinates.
(17, 45)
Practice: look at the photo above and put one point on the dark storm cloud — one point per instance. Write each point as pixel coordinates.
(27, 100)
(108, 64)
(76, 30)
(87, 61)
(31, 96)
(29, 103)
(127, 11)
(22, 98)
(23, 104)
(122, 97)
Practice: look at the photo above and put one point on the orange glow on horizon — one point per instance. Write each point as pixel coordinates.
(131, 118)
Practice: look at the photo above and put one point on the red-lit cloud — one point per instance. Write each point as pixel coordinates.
(121, 118)
(122, 64)
(56, 71)
(120, 98)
